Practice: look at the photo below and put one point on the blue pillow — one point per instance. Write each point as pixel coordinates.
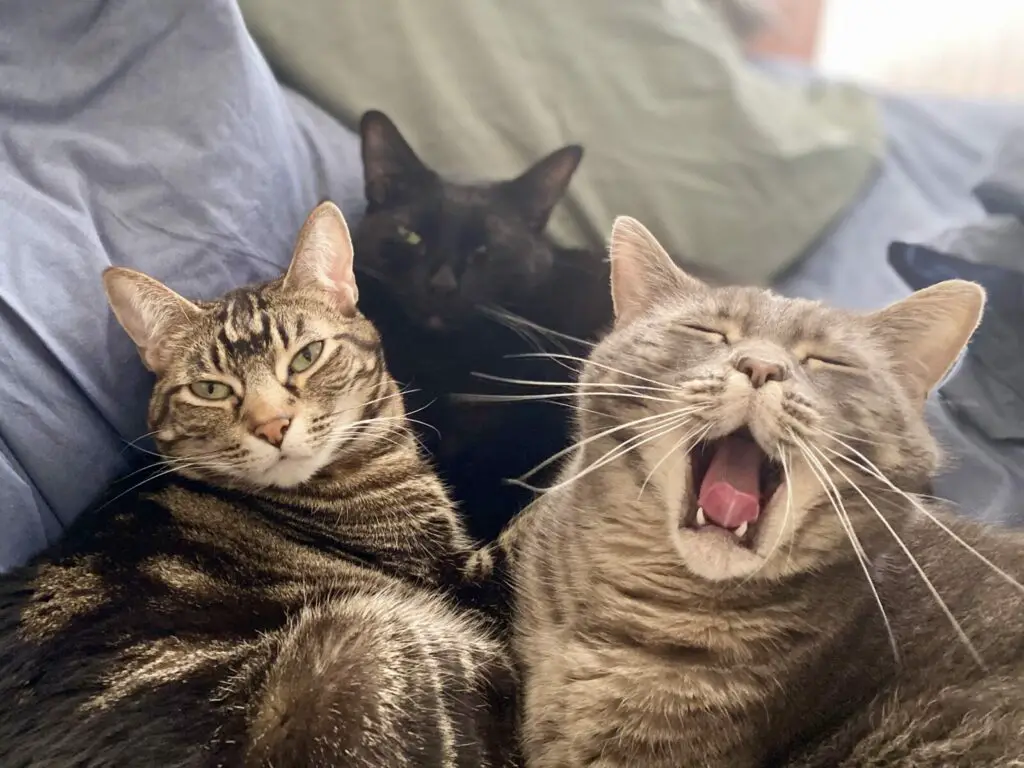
(145, 133)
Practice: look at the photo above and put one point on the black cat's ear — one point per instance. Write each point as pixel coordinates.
(391, 170)
(323, 259)
(537, 191)
(148, 311)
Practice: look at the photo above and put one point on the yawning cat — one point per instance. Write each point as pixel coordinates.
(735, 567)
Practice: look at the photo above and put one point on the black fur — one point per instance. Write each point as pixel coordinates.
(434, 256)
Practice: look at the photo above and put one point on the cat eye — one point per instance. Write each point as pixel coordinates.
(211, 390)
(706, 331)
(306, 356)
(479, 254)
(408, 236)
(829, 361)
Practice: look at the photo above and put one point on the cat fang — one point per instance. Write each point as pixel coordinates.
(733, 515)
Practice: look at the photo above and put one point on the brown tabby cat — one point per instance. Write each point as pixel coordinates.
(281, 597)
(735, 568)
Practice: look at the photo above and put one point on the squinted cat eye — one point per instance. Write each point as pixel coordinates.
(705, 330)
(409, 236)
(211, 390)
(306, 356)
(827, 361)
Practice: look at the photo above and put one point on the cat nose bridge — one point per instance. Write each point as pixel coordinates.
(444, 280)
(268, 416)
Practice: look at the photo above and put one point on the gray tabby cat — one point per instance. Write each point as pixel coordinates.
(283, 597)
(736, 569)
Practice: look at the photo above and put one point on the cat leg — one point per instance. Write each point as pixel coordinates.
(392, 679)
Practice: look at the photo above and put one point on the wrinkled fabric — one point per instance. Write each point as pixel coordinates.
(733, 171)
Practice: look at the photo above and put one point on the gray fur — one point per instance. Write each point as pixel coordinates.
(252, 610)
(644, 642)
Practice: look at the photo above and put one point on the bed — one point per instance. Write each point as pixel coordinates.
(142, 156)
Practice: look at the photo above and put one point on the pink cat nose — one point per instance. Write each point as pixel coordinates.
(760, 372)
(273, 431)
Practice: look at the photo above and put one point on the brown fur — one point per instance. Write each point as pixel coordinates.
(645, 642)
(260, 605)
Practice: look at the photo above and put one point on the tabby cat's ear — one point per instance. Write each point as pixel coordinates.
(537, 191)
(927, 331)
(392, 172)
(641, 270)
(147, 310)
(323, 259)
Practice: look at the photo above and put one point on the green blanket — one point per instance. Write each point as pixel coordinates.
(731, 170)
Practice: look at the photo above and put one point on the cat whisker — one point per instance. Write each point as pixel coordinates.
(522, 330)
(854, 438)
(836, 500)
(348, 409)
(697, 434)
(134, 443)
(579, 385)
(170, 461)
(685, 412)
(470, 397)
(910, 556)
(785, 518)
(511, 316)
(652, 433)
(870, 468)
(585, 361)
(156, 476)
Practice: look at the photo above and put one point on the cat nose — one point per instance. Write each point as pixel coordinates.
(760, 372)
(273, 431)
(444, 280)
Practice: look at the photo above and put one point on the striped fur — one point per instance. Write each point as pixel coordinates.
(312, 604)
(645, 640)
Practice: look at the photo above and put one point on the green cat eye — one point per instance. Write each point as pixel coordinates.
(306, 356)
(409, 236)
(211, 390)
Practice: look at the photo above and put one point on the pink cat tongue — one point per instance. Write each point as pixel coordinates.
(730, 493)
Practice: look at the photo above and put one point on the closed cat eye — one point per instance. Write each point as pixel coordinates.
(211, 390)
(306, 356)
(705, 330)
(408, 236)
(830, 361)
(480, 253)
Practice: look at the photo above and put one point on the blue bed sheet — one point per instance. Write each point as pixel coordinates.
(938, 150)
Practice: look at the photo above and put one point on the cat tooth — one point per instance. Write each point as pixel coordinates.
(701, 520)
(740, 531)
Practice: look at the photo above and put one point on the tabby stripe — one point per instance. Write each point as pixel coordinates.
(215, 358)
(264, 333)
(282, 333)
(357, 342)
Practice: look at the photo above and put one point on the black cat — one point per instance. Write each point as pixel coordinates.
(460, 279)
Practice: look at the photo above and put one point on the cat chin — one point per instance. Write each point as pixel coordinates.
(289, 472)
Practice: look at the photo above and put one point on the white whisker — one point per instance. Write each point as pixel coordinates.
(469, 397)
(697, 434)
(575, 385)
(836, 500)
(616, 453)
(595, 364)
(913, 561)
(605, 433)
(874, 471)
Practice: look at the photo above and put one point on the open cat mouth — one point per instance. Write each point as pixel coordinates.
(733, 481)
